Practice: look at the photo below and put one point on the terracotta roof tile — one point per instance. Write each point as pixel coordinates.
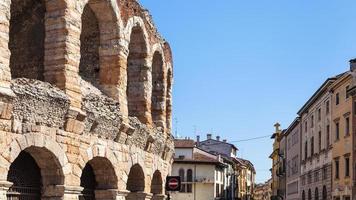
(184, 143)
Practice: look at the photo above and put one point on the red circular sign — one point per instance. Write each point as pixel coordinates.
(173, 183)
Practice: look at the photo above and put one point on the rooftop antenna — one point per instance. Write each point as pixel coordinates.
(176, 127)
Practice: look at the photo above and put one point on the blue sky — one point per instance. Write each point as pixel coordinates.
(241, 66)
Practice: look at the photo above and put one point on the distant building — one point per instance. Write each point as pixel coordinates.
(316, 144)
(263, 191)
(278, 169)
(292, 135)
(240, 173)
(341, 124)
(203, 174)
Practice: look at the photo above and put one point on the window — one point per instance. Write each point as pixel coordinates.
(181, 175)
(328, 135)
(355, 108)
(309, 195)
(189, 180)
(309, 177)
(337, 131)
(306, 150)
(327, 107)
(347, 167)
(316, 194)
(312, 121)
(319, 114)
(217, 188)
(325, 193)
(312, 146)
(306, 126)
(337, 100)
(303, 195)
(319, 141)
(316, 176)
(347, 94)
(347, 126)
(325, 171)
(337, 169)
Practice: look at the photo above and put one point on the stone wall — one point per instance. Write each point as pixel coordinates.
(77, 94)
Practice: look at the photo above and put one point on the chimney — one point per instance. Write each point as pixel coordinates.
(353, 64)
(218, 138)
(225, 140)
(208, 136)
(198, 139)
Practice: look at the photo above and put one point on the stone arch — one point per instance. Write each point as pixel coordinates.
(46, 155)
(303, 195)
(100, 30)
(157, 183)
(34, 143)
(98, 179)
(309, 194)
(158, 104)
(138, 72)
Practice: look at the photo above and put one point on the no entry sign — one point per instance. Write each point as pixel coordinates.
(173, 183)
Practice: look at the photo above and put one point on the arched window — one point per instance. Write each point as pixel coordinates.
(325, 193)
(309, 194)
(182, 179)
(303, 195)
(157, 99)
(27, 38)
(137, 72)
(316, 195)
(89, 66)
(189, 180)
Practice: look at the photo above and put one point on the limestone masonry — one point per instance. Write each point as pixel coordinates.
(85, 101)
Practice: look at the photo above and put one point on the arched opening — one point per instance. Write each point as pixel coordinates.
(169, 99)
(182, 179)
(157, 183)
(303, 195)
(33, 172)
(136, 179)
(26, 39)
(137, 75)
(88, 182)
(158, 96)
(89, 66)
(316, 195)
(309, 194)
(189, 180)
(325, 193)
(97, 175)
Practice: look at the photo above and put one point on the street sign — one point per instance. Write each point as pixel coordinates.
(173, 183)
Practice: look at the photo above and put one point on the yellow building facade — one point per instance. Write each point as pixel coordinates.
(341, 128)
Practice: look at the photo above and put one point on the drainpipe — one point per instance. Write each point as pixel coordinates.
(195, 178)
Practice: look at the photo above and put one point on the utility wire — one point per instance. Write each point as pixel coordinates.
(249, 139)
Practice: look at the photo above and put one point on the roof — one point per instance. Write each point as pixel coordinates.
(200, 159)
(323, 88)
(246, 163)
(217, 141)
(184, 143)
(292, 125)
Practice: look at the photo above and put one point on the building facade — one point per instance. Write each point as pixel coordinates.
(278, 169)
(293, 159)
(315, 119)
(203, 174)
(342, 137)
(86, 100)
(263, 191)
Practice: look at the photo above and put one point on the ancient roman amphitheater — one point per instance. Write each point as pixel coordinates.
(85, 107)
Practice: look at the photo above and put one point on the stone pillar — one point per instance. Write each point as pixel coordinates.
(53, 192)
(72, 192)
(108, 194)
(159, 197)
(5, 75)
(139, 196)
(4, 187)
(62, 50)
